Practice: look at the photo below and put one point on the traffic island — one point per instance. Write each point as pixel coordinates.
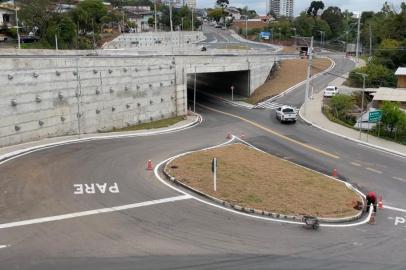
(253, 181)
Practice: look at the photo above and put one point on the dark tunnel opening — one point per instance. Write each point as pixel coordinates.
(218, 83)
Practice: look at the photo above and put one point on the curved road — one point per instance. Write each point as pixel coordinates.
(160, 228)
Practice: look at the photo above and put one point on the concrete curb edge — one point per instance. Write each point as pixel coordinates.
(16, 153)
(297, 218)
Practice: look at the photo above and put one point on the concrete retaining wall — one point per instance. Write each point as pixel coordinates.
(152, 40)
(61, 94)
(45, 97)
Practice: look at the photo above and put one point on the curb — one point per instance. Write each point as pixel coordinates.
(16, 153)
(248, 106)
(290, 89)
(241, 39)
(380, 148)
(253, 211)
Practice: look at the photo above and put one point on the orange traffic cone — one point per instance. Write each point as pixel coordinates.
(149, 165)
(228, 136)
(335, 173)
(380, 203)
(372, 219)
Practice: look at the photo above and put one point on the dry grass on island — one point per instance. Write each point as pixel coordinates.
(290, 73)
(250, 178)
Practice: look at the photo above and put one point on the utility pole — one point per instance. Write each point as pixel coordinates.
(56, 42)
(194, 92)
(192, 20)
(18, 30)
(362, 102)
(358, 37)
(309, 70)
(246, 26)
(155, 17)
(370, 40)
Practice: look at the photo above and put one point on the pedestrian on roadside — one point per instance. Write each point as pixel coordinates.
(371, 199)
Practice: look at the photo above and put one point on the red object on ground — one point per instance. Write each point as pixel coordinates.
(380, 203)
(335, 173)
(371, 196)
(149, 165)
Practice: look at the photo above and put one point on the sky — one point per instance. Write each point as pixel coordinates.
(300, 5)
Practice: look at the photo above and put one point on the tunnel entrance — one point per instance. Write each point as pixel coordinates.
(219, 84)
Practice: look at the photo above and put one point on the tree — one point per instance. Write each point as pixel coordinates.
(378, 75)
(64, 28)
(34, 14)
(222, 3)
(215, 14)
(89, 13)
(314, 8)
(392, 116)
(334, 17)
(340, 104)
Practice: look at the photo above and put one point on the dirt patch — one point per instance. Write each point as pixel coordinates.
(290, 73)
(258, 180)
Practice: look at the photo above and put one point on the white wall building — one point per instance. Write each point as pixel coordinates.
(282, 7)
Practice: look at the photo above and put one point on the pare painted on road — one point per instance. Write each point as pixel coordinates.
(95, 188)
(399, 221)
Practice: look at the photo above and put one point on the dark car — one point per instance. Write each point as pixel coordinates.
(28, 39)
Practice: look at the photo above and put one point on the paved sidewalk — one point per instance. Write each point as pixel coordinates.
(189, 121)
(313, 115)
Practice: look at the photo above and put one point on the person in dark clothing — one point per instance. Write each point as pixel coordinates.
(371, 199)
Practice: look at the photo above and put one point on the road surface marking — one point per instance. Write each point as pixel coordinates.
(399, 179)
(93, 212)
(274, 133)
(356, 164)
(373, 170)
(3, 246)
(95, 188)
(394, 208)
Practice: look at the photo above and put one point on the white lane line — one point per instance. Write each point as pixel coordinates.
(356, 164)
(158, 176)
(373, 170)
(399, 179)
(93, 212)
(394, 208)
(3, 246)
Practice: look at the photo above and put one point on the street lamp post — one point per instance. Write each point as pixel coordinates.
(294, 29)
(18, 30)
(358, 37)
(309, 66)
(155, 17)
(362, 102)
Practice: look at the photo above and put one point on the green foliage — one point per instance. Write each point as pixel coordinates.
(64, 28)
(335, 19)
(89, 13)
(341, 104)
(378, 75)
(392, 116)
(314, 8)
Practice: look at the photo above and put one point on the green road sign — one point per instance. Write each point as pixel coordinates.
(375, 116)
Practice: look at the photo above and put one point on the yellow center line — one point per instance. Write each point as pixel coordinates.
(274, 132)
(373, 170)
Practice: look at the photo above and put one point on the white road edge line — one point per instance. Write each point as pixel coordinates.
(394, 208)
(157, 175)
(4, 246)
(28, 150)
(93, 212)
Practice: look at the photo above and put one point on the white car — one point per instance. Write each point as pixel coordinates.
(330, 91)
(286, 114)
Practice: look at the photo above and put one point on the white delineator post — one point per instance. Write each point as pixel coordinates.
(214, 170)
(232, 92)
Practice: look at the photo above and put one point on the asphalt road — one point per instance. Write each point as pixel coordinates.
(163, 229)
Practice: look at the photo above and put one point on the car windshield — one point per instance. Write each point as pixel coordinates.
(288, 110)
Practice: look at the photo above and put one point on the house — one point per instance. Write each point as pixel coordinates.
(401, 74)
(266, 19)
(7, 15)
(389, 94)
(140, 16)
(234, 13)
